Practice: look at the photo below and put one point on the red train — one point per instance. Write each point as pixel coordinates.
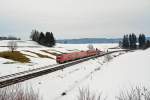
(76, 55)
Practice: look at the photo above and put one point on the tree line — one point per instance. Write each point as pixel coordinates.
(131, 41)
(9, 38)
(46, 39)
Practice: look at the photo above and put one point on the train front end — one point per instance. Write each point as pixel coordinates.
(59, 59)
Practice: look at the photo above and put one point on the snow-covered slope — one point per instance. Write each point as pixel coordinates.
(109, 78)
(123, 72)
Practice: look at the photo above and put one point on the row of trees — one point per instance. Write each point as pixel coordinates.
(9, 38)
(46, 39)
(130, 41)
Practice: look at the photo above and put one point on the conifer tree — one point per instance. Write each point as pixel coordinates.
(53, 39)
(125, 42)
(42, 38)
(46, 39)
(142, 40)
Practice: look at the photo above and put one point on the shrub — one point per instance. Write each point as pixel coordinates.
(90, 47)
(107, 58)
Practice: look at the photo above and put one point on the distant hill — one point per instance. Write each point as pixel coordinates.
(89, 40)
(148, 38)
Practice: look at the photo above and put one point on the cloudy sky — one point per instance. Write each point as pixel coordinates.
(74, 18)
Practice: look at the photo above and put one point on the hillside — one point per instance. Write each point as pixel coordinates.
(89, 40)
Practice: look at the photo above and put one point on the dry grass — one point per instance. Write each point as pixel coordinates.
(52, 53)
(85, 94)
(16, 56)
(134, 93)
(59, 51)
(137, 93)
(30, 55)
(73, 50)
(17, 92)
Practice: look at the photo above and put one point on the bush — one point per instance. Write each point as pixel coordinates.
(17, 92)
(90, 47)
(107, 58)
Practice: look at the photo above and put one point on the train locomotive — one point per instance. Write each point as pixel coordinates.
(62, 58)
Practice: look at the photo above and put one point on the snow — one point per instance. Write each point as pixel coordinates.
(51, 86)
(109, 78)
(54, 84)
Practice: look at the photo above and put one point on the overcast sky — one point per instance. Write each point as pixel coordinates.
(75, 18)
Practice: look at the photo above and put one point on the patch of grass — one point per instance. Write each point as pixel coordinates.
(52, 53)
(73, 50)
(86, 94)
(40, 55)
(16, 56)
(59, 52)
(8, 62)
(30, 55)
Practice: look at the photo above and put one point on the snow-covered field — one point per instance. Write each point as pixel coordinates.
(108, 78)
(29, 48)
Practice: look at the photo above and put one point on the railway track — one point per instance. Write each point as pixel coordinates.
(29, 74)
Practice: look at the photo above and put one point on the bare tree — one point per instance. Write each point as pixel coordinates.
(90, 47)
(12, 45)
